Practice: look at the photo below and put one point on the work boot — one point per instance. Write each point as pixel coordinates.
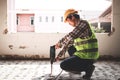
(89, 72)
(71, 73)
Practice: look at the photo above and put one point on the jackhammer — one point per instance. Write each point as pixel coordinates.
(53, 59)
(52, 56)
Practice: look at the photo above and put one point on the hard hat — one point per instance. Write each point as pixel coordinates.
(68, 12)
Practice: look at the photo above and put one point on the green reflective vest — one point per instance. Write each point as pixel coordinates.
(86, 48)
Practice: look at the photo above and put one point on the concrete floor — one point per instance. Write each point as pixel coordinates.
(38, 70)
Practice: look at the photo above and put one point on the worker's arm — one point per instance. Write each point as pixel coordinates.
(78, 31)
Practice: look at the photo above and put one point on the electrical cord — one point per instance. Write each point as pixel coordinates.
(58, 75)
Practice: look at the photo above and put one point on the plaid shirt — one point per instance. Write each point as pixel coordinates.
(82, 30)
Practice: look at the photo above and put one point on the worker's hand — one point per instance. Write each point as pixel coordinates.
(57, 46)
(57, 59)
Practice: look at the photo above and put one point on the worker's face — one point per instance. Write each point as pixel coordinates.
(71, 22)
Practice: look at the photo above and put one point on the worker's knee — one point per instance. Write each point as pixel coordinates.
(62, 65)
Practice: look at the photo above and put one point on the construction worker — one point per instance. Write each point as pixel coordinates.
(81, 44)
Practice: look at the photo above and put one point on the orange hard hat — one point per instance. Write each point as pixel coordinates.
(68, 12)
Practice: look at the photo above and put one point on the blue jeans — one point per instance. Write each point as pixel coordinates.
(74, 63)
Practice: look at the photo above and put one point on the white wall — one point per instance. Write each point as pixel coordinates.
(56, 26)
(30, 43)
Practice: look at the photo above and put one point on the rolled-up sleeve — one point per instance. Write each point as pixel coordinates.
(77, 31)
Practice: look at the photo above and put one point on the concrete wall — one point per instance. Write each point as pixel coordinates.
(116, 24)
(31, 43)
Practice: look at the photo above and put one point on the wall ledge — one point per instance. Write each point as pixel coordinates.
(38, 57)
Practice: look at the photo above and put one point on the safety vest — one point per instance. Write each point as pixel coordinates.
(86, 48)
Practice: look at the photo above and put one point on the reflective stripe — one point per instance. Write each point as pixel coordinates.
(86, 46)
(92, 55)
(86, 41)
(89, 50)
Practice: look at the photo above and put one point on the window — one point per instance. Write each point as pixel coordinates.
(62, 19)
(40, 19)
(104, 27)
(46, 19)
(17, 21)
(52, 18)
(32, 20)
